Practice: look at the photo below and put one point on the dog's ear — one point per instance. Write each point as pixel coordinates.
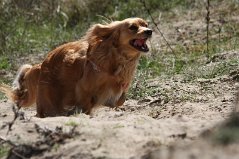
(109, 33)
(114, 38)
(102, 31)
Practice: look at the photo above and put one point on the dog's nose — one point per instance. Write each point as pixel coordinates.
(148, 32)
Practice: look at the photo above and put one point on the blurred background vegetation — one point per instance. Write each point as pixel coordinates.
(31, 28)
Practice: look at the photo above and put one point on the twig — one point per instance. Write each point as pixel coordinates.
(7, 141)
(149, 13)
(16, 115)
(208, 21)
(219, 36)
(18, 155)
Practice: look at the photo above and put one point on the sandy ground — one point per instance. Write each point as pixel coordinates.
(168, 125)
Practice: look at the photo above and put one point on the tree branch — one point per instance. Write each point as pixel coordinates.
(149, 13)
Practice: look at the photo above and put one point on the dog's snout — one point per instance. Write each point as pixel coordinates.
(148, 32)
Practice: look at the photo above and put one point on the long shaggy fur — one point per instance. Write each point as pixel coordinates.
(96, 70)
(24, 88)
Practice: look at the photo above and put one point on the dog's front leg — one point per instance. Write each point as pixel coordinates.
(86, 103)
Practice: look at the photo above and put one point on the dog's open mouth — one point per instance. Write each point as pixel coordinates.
(140, 44)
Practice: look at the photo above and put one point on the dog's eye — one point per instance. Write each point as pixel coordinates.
(133, 27)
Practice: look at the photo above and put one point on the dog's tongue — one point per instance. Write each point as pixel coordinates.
(139, 42)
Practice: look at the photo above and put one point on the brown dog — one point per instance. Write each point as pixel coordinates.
(96, 70)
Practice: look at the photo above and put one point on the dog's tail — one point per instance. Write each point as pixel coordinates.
(6, 89)
(24, 89)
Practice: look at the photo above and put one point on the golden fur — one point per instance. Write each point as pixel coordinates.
(96, 70)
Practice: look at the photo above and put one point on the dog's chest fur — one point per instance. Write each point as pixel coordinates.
(106, 78)
(118, 74)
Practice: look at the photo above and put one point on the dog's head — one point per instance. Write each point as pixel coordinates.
(135, 32)
(130, 34)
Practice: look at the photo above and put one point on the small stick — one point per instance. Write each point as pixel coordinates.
(16, 115)
(208, 21)
(149, 13)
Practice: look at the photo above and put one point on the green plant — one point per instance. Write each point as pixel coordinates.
(71, 123)
(4, 149)
(229, 132)
(5, 63)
